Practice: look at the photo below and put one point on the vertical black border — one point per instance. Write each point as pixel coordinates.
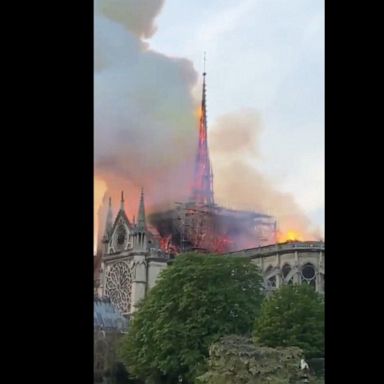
(55, 146)
(352, 243)
(334, 75)
(80, 193)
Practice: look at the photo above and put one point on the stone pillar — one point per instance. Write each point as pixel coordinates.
(319, 283)
(321, 261)
(105, 246)
(279, 280)
(139, 283)
(296, 277)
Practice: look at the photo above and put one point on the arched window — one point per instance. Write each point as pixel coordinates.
(271, 282)
(308, 274)
(285, 270)
(287, 275)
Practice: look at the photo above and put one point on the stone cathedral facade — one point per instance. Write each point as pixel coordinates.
(130, 261)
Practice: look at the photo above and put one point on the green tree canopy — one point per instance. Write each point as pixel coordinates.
(197, 300)
(292, 316)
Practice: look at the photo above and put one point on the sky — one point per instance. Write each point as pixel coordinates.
(268, 56)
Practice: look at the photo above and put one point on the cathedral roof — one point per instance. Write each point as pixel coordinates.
(107, 317)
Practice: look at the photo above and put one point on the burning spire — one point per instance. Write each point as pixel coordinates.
(202, 190)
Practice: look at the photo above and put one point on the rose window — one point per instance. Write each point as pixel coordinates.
(119, 286)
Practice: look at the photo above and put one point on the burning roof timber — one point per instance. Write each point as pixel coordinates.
(214, 228)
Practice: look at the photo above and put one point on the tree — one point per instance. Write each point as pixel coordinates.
(197, 300)
(237, 360)
(292, 316)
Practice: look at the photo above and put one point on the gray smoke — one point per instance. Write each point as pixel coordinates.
(145, 122)
(240, 184)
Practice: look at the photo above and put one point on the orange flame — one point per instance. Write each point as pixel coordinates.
(199, 112)
(289, 236)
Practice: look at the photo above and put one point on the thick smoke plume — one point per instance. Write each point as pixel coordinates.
(136, 16)
(145, 121)
(238, 183)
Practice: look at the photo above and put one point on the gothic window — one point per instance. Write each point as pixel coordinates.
(120, 238)
(308, 274)
(285, 270)
(119, 286)
(271, 282)
(308, 271)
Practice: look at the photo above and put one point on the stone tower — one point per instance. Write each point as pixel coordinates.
(131, 259)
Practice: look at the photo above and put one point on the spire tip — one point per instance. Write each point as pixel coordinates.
(122, 201)
(205, 59)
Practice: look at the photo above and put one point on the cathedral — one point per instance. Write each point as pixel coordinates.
(130, 260)
(130, 256)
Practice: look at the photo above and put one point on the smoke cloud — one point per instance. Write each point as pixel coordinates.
(145, 121)
(240, 185)
(137, 16)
